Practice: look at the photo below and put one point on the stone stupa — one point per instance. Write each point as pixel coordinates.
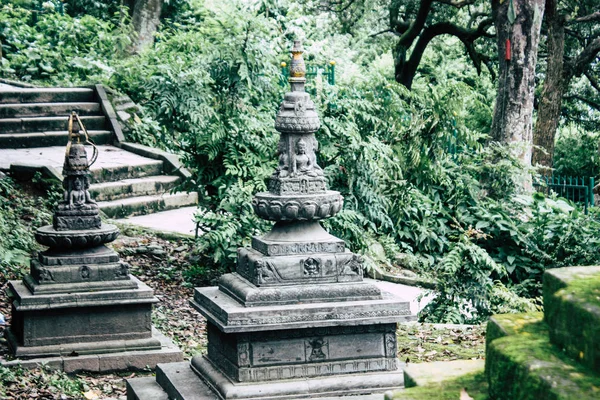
(296, 319)
(79, 308)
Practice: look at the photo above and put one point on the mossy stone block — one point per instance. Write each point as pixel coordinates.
(524, 365)
(572, 312)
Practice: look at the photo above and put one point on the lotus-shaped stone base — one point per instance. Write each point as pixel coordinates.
(297, 207)
(48, 236)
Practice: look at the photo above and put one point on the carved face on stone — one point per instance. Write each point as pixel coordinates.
(301, 147)
(78, 184)
(311, 266)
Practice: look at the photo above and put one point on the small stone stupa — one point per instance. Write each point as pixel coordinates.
(79, 298)
(296, 320)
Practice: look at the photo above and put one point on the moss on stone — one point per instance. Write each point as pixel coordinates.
(526, 366)
(573, 312)
(475, 384)
(512, 324)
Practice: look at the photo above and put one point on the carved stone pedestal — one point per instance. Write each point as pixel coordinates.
(79, 308)
(345, 331)
(82, 302)
(296, 319)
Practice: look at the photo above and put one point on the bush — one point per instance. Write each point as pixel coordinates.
(59, 49)
(20, 215)
(576, 153)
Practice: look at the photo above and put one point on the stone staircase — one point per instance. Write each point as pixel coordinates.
(127, 180)
(36, 117)
(554, 355)
(529, 356)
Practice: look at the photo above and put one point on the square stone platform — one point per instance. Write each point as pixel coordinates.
(105, 362)
(177, 381)
(82, 311)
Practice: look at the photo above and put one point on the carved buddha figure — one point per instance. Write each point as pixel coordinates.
(282, 169)
(78, 196)
(304, 163)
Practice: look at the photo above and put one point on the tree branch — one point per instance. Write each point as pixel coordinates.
(457, 3)
(592, 80)
(417, 25)
(588, 18)
(384, 31)
(587, 55)
(589, 102)
(466, 36)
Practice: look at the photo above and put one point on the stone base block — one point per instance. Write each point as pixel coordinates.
(108, 361)
(230, 316)
(250, 295)
(59, 324)
(78, 287)
(95, 255)
(339, 385)
(302, 353)
(145, 389)
(303, 269)
(78, 348)
(180, 382)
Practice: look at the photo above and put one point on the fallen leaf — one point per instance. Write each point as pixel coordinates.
(92, 395)
(464, 395)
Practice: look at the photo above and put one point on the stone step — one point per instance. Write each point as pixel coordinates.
(147, 204)
(572, 311)
(48, 109)
(423, 374)
(47, 95)
(145, 388)
(442, 380)
(45, 124)
(117, 172)
(44, 139)
(522, 363)
(133, 187)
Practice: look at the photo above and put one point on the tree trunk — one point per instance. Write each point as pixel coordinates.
(146, 17)
(513, 112)
(555, 85)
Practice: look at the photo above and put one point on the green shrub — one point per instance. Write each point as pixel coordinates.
(59, 48)
(19, 216)
(576, 153)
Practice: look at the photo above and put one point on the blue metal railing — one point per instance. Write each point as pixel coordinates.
(577, 189)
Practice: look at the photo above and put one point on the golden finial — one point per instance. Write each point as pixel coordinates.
(297, 66)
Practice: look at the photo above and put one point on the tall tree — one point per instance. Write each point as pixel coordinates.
(146, 18)
(566, 60)
(518, 24)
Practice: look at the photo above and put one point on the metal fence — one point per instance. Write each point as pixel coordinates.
(577, 189)
(328, 71)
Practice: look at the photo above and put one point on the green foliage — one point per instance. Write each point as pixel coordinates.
(58, 48)
(469, 288)
(576, 152)
(19, 215)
